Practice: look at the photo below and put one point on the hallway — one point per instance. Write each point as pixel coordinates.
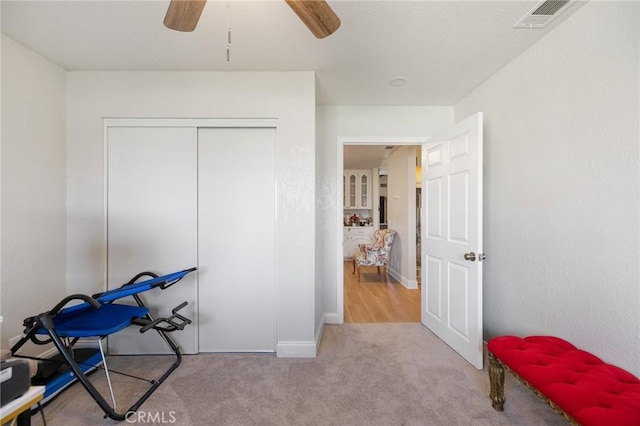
(378, 299)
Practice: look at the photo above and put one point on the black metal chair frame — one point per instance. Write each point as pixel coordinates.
(44, 323)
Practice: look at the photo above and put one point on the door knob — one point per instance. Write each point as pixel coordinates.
(481, 257)
(470, 256)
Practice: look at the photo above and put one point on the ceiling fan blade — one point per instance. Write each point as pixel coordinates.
(183, 15)
(317, 15)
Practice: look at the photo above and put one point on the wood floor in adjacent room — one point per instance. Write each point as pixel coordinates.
(377, 298)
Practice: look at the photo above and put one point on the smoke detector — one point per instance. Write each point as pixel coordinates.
(397, 81)
(543, 13)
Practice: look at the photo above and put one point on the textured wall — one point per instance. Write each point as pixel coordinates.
(33, 214)
(402, 214)
(561, 194)
(289, 97)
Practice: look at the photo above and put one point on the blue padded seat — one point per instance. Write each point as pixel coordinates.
(87, 322)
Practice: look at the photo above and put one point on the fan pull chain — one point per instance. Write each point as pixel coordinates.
(228, 33)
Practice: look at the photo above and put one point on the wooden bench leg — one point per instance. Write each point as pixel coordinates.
(496, 380)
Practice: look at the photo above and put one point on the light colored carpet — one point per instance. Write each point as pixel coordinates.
(364, 374)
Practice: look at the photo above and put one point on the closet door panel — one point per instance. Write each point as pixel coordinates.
(152, 225)
(236, 242)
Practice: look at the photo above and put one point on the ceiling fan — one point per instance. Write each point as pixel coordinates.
(317, 15)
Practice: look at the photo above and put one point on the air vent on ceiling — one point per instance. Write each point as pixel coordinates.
(543, 13)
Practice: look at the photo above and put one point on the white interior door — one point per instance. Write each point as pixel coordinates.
(452, 238)
(152, 224)
(236, 243)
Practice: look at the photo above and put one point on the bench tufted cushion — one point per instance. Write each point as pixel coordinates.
(581, 384)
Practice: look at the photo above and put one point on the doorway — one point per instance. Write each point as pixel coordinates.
(451, 301)
(380, 298)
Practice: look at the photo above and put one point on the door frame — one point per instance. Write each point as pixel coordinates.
(339, 212)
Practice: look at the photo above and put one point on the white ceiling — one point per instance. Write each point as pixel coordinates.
(444, 49)
(365, 156)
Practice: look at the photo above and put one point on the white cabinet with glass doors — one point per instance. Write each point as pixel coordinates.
(356, 185)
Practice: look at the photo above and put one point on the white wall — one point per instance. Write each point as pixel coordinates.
(401, 208)
(289, 97)
(353, 121)
(562, 185)
(33, 222)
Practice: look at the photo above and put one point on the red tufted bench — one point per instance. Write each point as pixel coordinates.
(575, 383)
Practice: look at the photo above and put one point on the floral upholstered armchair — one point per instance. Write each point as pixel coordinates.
(375, 254)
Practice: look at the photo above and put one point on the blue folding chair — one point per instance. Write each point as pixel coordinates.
(98, 316)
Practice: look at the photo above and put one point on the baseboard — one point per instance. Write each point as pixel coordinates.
(304, 349)
(319, 332)
(332, 319)
(410, 284)
(85, 343)
(48, 353)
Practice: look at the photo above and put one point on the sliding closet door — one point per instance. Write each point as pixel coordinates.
(236, 239)
(152, 224)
